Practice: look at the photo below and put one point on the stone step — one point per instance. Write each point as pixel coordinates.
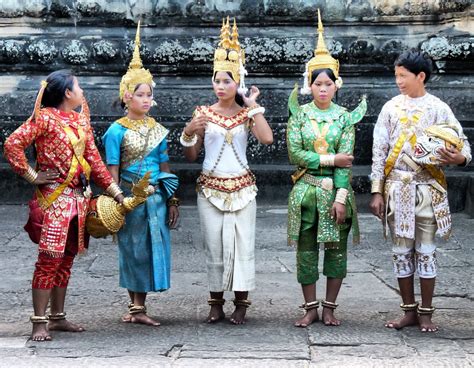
(273, 182)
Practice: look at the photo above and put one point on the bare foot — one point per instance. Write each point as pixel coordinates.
(144, 319)
(309, 317)
(238, 317)
(329, 319)
(409, 319)
(40, 332)
(216, 314)
(64, 325)
(426, 325)
(127, 318)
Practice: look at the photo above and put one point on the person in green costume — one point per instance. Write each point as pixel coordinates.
(321, 207)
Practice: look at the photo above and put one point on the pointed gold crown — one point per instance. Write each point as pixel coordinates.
(136, 74)
(322, 59)
(229, 56)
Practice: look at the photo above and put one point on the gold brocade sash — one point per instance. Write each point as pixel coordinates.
(437, 174)
(407, 133)
(78, 145)
(402, 139)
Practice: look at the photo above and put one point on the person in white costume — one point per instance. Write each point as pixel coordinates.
(226, 187)
(410, 197)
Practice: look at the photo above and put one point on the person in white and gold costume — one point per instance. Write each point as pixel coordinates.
(226, 187)
(409, 193)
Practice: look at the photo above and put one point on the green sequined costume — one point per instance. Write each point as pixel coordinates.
(309, 207)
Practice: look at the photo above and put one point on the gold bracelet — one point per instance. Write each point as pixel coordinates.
(341, 195)
(113, 190)
(188, 138)
(326, 160)
(30, 175)
(173, 201)
(377, 186)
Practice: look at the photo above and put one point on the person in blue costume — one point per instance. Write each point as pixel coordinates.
(134, 145)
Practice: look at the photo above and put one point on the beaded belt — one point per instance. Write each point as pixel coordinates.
(227, 185)
(67, 191)
(324, 183)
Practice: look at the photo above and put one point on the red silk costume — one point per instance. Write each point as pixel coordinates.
(64, 142)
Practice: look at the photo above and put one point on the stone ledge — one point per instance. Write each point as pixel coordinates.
(273, 182)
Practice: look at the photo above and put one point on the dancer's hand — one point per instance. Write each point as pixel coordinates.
(338, 212)
(173, 216)
(46, 177)
(377, 205)
(197, 125)
(451, 156)
(119, 198)
(343, 160)
(251, 100)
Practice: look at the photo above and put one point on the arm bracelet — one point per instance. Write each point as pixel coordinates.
(377, 186)
(173, 201)
(256, 110)
(30, 175)
(188, 140)
(341, 195)
(326, 160)
(113, 190)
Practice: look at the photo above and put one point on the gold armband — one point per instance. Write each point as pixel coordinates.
(30, 175)
(341, 195)
(173, 201)
(377, 186)
(113, 190)
(326, 160)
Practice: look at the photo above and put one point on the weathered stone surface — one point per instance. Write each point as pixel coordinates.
(268, 338)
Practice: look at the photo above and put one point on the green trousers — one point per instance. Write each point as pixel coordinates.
(307, 254)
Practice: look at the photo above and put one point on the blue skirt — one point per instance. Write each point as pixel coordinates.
(144, 247)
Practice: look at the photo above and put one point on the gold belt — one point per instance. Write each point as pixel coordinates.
(324, 183)
(227, 185)
(67, 191)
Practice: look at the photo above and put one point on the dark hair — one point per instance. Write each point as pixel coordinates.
(328, 72)
(58, 82)
(120, 101)
(238, 97)
(416, 62)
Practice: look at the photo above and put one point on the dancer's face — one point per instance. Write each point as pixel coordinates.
(74, 96)
(224, 86)
(141, 100)
(409, 83)
(323, 90)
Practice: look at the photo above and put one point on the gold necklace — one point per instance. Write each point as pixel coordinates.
(141, 126)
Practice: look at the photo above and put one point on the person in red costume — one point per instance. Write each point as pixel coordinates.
(66, 158)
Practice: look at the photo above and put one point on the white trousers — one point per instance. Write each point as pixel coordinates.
(229, 242)
(419, 254)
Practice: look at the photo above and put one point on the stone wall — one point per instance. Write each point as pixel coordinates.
(94, 39)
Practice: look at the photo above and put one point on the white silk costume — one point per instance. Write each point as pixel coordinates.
(415, 196)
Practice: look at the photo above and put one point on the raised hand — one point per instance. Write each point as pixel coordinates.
(251, 100)
(197, 125)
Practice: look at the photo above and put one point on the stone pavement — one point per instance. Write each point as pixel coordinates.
(368, 297)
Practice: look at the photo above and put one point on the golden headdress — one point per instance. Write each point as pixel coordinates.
(322, 59)
(229, 56)
(136, 73)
